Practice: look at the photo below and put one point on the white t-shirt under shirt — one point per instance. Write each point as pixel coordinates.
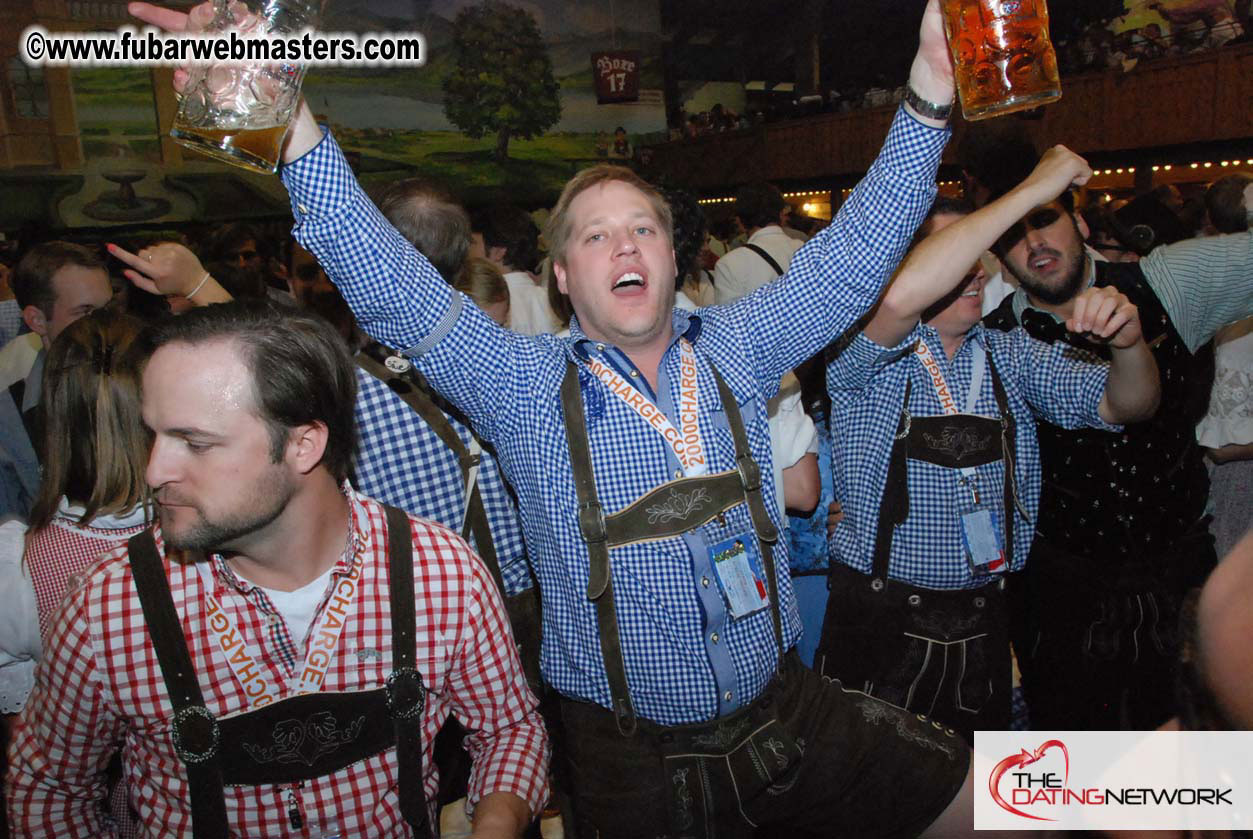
(298, 607)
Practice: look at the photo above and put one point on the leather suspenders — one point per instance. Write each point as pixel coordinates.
(195, 729)
(211, 760)
(770, 260)
(895, 505)
(409, 387)
(600, 532)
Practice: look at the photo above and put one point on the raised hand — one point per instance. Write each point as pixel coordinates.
(932, 72)
(1106, 316)
(194, 20)
(304, 133)
(1058, 170)
(167, 268)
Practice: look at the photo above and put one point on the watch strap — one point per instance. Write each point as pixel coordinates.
(930, 110)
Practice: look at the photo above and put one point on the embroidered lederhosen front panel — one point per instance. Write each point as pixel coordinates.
(955, 442)
(304, 737)
(743, 761)
(675, 508)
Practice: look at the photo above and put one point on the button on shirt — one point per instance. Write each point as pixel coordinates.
(508, 385)
(100, 684)
(867, 387)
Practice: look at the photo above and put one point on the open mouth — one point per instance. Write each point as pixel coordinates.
(630, 281)
(1043, 262)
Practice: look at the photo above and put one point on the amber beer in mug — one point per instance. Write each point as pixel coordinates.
(1002, 56)
(239, 113)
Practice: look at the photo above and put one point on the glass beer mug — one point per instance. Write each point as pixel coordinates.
(1002, 56)
(239, 112)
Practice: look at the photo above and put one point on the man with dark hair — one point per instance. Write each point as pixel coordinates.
(279, 652)
(767, 253)
(55, 284)
(1121, 533)
(413, 450)
(634, 447)
(1229, 202)
(427, 216)
(237, 244)
(508, 237)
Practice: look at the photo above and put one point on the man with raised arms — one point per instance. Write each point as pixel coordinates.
(667, 631)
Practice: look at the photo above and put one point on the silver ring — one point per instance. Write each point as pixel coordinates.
(148, 257)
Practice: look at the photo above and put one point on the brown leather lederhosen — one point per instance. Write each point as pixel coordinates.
(408, 384)
(892, 639)
(246, 749)
(692, 745)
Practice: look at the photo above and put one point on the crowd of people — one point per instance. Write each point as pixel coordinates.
(1153, 30)
(1085, 41)
(597, 519)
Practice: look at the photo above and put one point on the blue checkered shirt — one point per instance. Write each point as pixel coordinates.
(686, 659)
(867, 387)
(10, 320)
(400, 461)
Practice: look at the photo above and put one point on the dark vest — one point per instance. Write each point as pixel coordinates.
(1127, 498)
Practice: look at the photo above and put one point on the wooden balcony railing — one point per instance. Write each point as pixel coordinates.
(1207, 97)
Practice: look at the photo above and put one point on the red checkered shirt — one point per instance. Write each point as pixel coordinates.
(99, 685)
(63, 549)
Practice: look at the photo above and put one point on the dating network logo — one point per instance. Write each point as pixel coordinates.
(1040, 780)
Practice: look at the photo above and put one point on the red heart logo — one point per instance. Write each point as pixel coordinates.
(1025, 758)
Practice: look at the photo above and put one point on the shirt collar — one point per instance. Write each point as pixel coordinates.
(977, 334)
(768, 230)
(1021, 303)
(356, 544)
(683, 324)
(73, 514)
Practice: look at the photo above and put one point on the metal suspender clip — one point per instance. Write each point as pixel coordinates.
(624, 715)
(398, 364)
(196, 734)
(750, 472)
(905, 423)
(406, 696)
(592, 522)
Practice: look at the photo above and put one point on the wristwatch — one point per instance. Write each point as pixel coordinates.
(924, 108)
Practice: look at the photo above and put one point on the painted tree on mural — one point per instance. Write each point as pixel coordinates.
(502, 81)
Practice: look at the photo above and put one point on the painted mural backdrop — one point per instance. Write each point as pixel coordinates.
(505, 107)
